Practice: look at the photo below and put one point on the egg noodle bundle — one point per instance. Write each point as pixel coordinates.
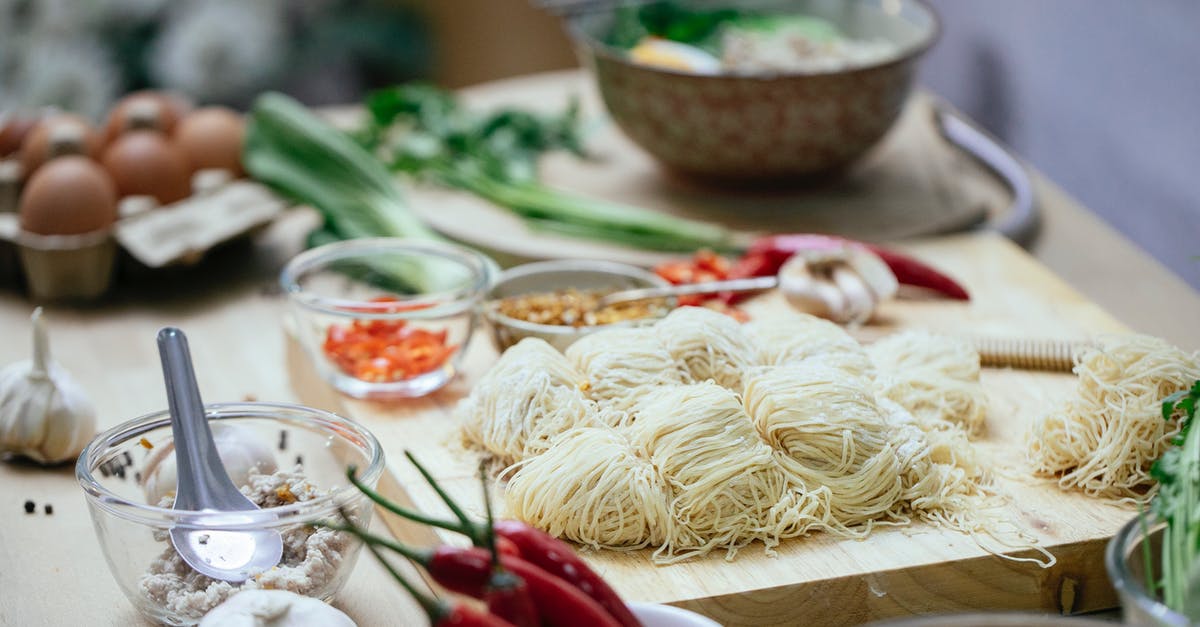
(532, 395)
(1105, 438)
(829, 436)
(726, 481)
(604, 495)
(803, 338)
(707, 344)
(694, 435)
(616, 377)
(934, 377)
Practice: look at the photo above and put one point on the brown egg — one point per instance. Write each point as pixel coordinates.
(159, 110)
(67, 196)
(14, 128)
(56, 135)
(143, 162)
(211, 137)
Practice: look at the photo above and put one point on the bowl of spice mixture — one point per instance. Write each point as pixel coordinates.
(289, 460)
(556, 301)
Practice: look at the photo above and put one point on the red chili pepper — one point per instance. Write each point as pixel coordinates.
(559, 559)
(559, 603)
(504, 546)
(468, 570)
(910, 271)
(772, 251)
(508, 597)
(462, 615)
(441, 613)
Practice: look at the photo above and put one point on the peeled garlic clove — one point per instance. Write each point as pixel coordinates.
(44, 415)
(860, 298)
(274, 608)
(809, 291)
(875, 272)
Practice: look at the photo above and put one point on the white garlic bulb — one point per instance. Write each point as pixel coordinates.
(843, 284)
(274, 608)
(241, 450)
(44, 415)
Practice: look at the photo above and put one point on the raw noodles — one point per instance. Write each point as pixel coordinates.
(620, 363)
(707, 344)
(604, 496)
(529, 397)
(934, 377)
(1105, 438)
(695, 435)
(829, 436)
(725, 479)
(803, 338)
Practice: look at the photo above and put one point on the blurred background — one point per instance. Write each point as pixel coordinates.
(1098, 94)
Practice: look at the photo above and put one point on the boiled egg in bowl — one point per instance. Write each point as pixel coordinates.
(673, 55)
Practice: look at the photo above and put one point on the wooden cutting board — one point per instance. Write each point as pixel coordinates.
(822, 580)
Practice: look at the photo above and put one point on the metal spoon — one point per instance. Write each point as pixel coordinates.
(712, 287)
(203, 485)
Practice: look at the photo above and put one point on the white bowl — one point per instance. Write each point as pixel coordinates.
(656, 615)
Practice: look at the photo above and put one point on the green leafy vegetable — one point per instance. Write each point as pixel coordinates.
(301, 156)
(423, 131)
(702, 28)
(669, 20)
(1178, 505)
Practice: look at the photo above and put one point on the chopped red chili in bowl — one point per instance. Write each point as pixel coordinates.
(382, 351)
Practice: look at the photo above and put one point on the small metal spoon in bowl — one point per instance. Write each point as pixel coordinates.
(203, 485)
(711, 287)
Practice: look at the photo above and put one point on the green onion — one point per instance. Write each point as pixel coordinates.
(302, 156)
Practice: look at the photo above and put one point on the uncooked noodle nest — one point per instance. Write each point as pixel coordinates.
(699, 434)
(1106, 437)
(935, 377)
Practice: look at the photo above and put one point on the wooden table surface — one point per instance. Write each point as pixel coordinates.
(51, 570)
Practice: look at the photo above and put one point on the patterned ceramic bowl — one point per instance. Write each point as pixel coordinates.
(752, 127)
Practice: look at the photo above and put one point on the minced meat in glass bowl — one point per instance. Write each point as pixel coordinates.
(291, 460)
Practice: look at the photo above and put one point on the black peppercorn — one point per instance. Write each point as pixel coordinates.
(30, 506)
(299, 460)
(49, 509)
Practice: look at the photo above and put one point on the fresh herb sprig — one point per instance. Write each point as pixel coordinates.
(1178, 505)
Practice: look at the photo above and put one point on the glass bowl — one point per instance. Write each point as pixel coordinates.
(384, 317)
(121, 466)
(1127, 571)
(551, 276)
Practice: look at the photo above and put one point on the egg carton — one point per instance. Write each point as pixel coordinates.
(81, 267)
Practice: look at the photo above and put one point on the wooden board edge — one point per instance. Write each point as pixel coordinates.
(1069, 587)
